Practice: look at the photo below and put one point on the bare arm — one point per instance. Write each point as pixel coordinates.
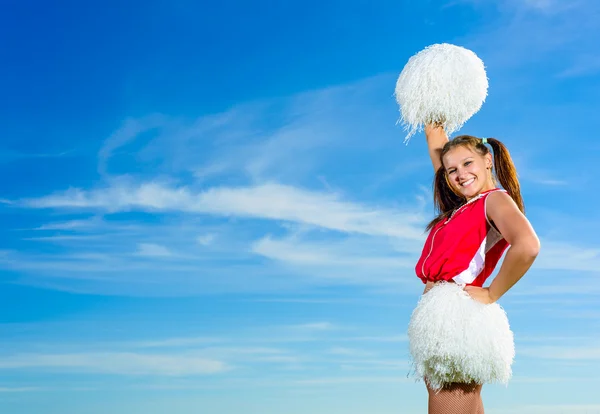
(436, 139)
(524, 243)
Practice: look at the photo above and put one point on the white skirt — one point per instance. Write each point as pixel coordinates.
(454, 338)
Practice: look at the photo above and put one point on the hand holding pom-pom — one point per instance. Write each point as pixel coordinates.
(443, 84)
(434, 128)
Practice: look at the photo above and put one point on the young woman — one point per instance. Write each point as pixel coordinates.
(459, 336)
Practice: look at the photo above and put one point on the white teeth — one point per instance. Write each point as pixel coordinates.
(466, 183)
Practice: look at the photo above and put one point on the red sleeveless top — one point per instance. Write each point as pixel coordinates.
(465, 247)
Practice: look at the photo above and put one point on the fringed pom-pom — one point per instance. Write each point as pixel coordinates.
(443, 84)
(454, 338)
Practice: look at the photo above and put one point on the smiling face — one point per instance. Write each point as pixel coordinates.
(468, 172)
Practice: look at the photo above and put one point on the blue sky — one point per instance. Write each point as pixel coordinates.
(210, 208)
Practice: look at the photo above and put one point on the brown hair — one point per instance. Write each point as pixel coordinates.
(444, 197)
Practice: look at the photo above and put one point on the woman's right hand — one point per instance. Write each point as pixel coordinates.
(433, 129)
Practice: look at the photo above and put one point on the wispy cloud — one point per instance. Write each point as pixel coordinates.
(568, 256)
(251, 171)
(153, 250)
(534, 380)
(281, 139)
(588, 353)
(178, 342)
(540, 4)
(363, 260)
(541, 177)
(71, 224)
(537, 30)
(206, 239)
(267, 201)
(19, 389)
(548, 409)
(393, 338)
(516, 5)
(372, 364)
(312, 326)
(584, 65)
(117, 363)
(353, 380)
(8, 155)
(349, 352)
(128, 132)
(330, 253)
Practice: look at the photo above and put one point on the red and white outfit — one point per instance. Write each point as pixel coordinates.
(453, 337)
(464, 248)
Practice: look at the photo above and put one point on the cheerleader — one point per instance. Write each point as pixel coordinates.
(459, 336)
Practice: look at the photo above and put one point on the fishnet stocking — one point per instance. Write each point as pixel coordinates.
(456, 399)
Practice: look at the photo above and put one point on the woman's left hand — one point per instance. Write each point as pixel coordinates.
(479, 294)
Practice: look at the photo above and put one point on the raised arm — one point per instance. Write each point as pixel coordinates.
(524, 243)
(436, 139)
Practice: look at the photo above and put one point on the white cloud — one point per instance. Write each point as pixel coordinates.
(117, 363)
(19, 389)
(374, 365)
(153, 250)
(363, 260)
(540, 176)
(349, 352)
(568, 256)
(206, 239)
(266, 201)
(125, 134)
(533, 380)
(560, 289)
(326, 253)
(353, 380)
(525, 33)
(540, 4)
(393, 338)
(256, 161)
(585, 64)
(552, 338)
(281, 139)
(173, 342)
(515, 6)
(548, 409)
(313, 326)
(362, 238)
(563, 352)
(71, 224)
(65, 238)
(133, 275)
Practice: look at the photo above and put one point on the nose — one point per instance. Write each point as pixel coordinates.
(461, 174)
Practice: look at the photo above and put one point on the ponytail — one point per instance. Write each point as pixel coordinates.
(446, 200)
(506, 172)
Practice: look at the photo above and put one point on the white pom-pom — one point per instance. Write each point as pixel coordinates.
(442, 83)
(454, 338)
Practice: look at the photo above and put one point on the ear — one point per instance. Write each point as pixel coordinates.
(488, 161)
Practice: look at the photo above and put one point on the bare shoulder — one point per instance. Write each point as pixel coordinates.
(499, 202)
(508, 219)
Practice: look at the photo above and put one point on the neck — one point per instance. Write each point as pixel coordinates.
(487, 187)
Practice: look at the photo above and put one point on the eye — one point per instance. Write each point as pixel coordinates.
(451, 171)
(468, 162)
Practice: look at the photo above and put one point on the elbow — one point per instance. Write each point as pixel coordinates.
(528, 247)
(532, 247)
